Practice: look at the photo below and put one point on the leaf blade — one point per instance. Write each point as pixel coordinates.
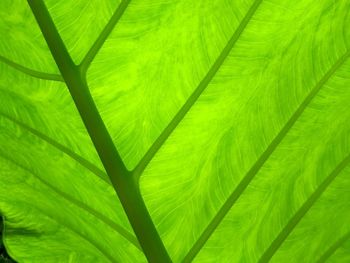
(229, 203)
(143, 74)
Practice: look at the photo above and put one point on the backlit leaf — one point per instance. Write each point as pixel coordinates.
(234, 114)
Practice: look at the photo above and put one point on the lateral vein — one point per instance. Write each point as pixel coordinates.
(231, 200)
(79, 159)
(292, 223)
(196, 93)
(95, 48)
(31, 72)
(76, 202)
(331, 250)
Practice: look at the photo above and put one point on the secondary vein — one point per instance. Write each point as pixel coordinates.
(292, 223)
(231, 200)
(65, 196)
(118, 228)
(196, 93)
(331, 250)
(90, 55)
(79, 159)
(31, 72)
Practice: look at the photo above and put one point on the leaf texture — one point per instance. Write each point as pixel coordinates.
(233, 114)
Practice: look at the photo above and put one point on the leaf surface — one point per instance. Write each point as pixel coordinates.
(234, 114)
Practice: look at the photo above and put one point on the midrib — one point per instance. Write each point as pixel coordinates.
(125, 186)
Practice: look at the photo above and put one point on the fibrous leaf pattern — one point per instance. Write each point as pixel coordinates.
(234, 116)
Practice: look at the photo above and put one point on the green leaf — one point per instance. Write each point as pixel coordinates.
(233, 116)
